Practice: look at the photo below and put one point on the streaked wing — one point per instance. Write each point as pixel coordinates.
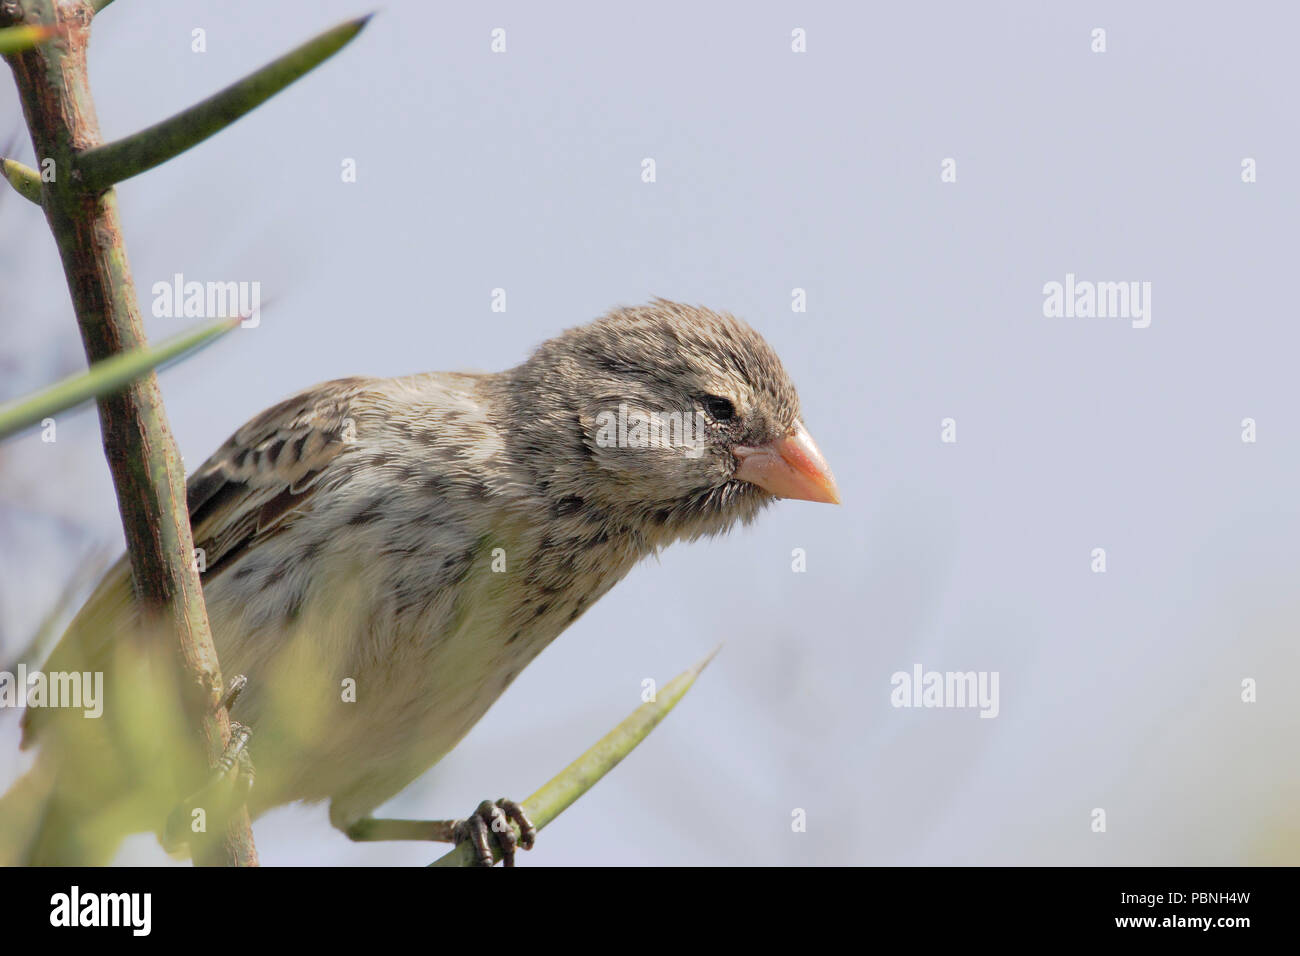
(266, 473)
(253, 486)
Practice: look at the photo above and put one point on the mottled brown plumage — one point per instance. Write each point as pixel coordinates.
(428, 536)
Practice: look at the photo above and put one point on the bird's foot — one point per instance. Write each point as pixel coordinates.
(228, 785)
(496, 818)
(489, 819)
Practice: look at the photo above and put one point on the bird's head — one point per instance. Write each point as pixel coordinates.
(682, 416)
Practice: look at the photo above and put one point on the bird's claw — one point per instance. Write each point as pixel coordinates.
(495, 818)
(233, 690)
(229, 783)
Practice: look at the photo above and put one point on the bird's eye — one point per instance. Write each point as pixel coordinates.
(720, 409)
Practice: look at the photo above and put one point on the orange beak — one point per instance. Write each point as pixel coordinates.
(790, 467)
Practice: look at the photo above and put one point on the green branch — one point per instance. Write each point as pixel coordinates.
(24, 179)
(111, 163)
(562, 790)
(17, 39)
(148, 475)
(105, 377)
